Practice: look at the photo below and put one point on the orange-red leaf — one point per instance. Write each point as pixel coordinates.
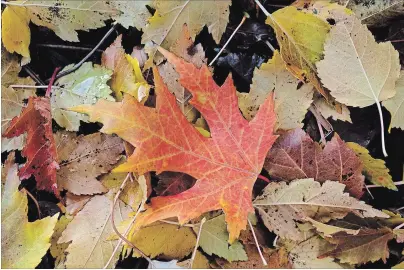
(40, 148)
(225, 165)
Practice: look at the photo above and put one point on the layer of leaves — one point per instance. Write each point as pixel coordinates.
(295, 156)
(283, 206)
(213, 161)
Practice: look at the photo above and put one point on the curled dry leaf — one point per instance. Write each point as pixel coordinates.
(83, 158)
(295, 155)
(282, 207)
(291, 102)
(40, 150)
(226, 165)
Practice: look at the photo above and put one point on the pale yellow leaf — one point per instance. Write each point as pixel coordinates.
(327, 111)
(395, 105)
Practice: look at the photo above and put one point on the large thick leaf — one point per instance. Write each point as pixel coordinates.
(295, 156)
(283, 206)
(84, 86)
(40, 150)
(214, 240)
(83, 158)
(368, 245)
(226, 165)
(165, 27)
(291, 102)
(395, 105)
(12, 100)
(23, 243)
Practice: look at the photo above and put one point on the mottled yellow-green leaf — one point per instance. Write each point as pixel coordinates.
(165, 27)
(164, 239)
(324, 9)
(291, 102)
(395, 105)
(328, 230)
(15, 32)
(374, 169)
(214, 240)
(23, 243)
(301, 38)
(58, 250)
(133, 13)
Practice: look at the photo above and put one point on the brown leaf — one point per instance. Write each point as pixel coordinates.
(295, 156)
(367, 245)
(172, 183)
(83, 158)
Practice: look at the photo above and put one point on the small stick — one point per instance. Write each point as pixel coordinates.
(55, 46)
(78, 65)
(230, 38)
(275, 240)
(176, 223)
(113, 222)
(399, 226)
(370, 193)
(401, 208)
(32, 86)
(264, 262)
(52, 80)
(263, 178)
(270, 45)
(35, 201)
(395, 183)
(191, 261)
(33, 75)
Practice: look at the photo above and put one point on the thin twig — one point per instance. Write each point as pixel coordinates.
(399, 226)
(35, 201)
(52, 80)
(370, 193)
(264, 262)
(228, 41)
(116, 230)
(270, 45)
(66, 47)
(275, 240)
(78, 65)
(395, 183)
(32, 86)
(401, 208)
(177, 223)
(191, 261)
(33, 75)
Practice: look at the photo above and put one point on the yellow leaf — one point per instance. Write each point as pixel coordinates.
(23, 243)
(171, 241)
(58, 250)
(301, 38)
(374, 169)
(16, 35)
(395, 105)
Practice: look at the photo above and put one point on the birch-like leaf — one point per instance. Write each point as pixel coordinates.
(283, 206)
(395, 105)
(84, 86)
(374, 169)
(88, 233)
(23, 243)
(291, 102)
(165, 27)
(356, 69)
(214, 240)
(83, 158)
(12, 100)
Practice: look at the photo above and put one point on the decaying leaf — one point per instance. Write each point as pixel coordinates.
(40, 149)
(214, 240)
(368, 245)
(172, 183)
(12, 100)
(83, 158)
(133, 13)
(23, 243)
(127, 76)
(374, 169)
(84, 86)
(88, 233)
(301, 38)
(295, 156)
(164, 240)
(283, 206)
(395, 105)
(327, 111)
(291, 102)
(165, 27)
(226, 165)
(356, 69)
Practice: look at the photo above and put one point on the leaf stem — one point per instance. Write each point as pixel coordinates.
(264, 262)
(32, 86)
(381, 126)
(263, 178)
(191, 261)
(56, 46)
(35, 201)
(228, 41)
(52, 80)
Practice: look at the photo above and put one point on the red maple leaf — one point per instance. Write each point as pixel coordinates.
(40, 148)
(225, 165)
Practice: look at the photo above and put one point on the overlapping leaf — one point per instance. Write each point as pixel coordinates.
(395, 105)
(226, 165)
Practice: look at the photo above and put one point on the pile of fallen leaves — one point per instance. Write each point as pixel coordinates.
(187, 172)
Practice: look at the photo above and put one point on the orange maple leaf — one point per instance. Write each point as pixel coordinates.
(225, 165)
(40, 148)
